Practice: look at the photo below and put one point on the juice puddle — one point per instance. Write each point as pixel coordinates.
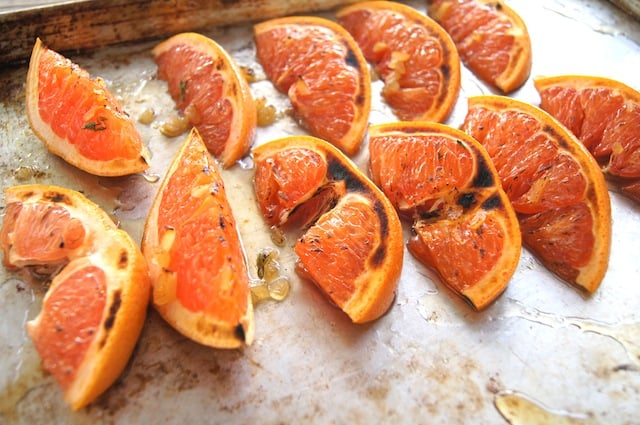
(625, 334)
(518, 409)
(21, 371)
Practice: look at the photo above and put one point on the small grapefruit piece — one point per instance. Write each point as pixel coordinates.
(321, 68)
(414, 56)
(78, 119)
(464, 226)
(604, 115)
(199, 278)
(211, 91)
(492, 39)
(555, 185)
(353, 249)
(94, 309)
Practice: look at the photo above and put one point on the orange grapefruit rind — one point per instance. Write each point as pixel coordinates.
(604, 114)
(464, 226)
(331, 94)
(591, 204)
(197, 107)
(475, 46)
(99, 121)
(99, 245)
(353, 251)
(405, 46)
(181, 263)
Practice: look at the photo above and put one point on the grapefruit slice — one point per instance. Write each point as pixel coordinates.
(321, 68)
(414, 56)
(464, 226)
(200, 283)
(78, 119)
(492, 39)
(555, 185)
(353, 249)
(604, 114)
(94, 309)
(210, 90)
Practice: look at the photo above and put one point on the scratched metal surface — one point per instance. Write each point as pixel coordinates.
(431, 359)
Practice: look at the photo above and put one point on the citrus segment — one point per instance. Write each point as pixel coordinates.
(414, 56)
(604, 115)
(78, 119)
(353, 250)
(94, 309)
(464, 226)
(491, 38)
(555, 185)
(290, 179)
(632, 190)
(200, 283)
(321, 68)
(211, 91)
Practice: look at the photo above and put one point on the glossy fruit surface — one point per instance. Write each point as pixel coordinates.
(464, 226)
(352, 245)
(94, 309)
(491, 37)
(604, 115)
(200, 283)
(211, 91)
(414, 56)
(78, 119)
(555, 185)
(320, 67)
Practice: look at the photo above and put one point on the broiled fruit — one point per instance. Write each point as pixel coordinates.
(353, 250)
(320, 67)
(604, 115)
(210, 90)
(78, 119)
(464, 226)
(200, 283)
(93, 312)
(414, 56)
(554, 184)
(491, 38)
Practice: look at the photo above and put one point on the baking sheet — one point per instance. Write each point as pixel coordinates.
(543, 348)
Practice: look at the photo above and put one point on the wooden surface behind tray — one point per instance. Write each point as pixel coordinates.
(88, 24)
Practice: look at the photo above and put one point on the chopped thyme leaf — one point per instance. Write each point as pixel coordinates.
(183, 88)
(96, 125)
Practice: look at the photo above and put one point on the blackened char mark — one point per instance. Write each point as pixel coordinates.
(466, 200)
(492, 203)
(111, 318)
(239, 332)
(352, 60)
(484, 177)
(379, 255)
(339, 172)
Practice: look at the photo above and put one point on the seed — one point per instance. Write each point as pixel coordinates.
(147, 116)
(259, 293)
(279, 288)
(175, 126)
(266, 113)
(277, 236)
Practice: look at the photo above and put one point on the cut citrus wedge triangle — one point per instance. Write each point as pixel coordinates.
(200, 283)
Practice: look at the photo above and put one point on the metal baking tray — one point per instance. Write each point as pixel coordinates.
(542, 353)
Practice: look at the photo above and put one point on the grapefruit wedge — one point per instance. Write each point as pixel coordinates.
(94, 309)
(78, 119)
(464, 226)
(554, 184)
(352, 245)
(200, 283)
(320, 67)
